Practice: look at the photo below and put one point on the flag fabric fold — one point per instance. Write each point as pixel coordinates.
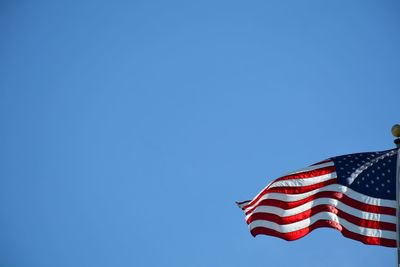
(355, 194)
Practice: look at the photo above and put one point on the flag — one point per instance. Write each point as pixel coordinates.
(355, 194)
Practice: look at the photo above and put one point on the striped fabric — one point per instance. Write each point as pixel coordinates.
(322, 196)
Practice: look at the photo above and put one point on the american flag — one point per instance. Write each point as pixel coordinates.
(355, 194)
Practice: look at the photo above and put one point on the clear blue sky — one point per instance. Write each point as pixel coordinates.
(130, 128)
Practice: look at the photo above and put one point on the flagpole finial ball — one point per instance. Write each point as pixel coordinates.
(396, 130)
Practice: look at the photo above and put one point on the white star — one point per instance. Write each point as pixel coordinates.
(377, 189)
(372, 181)
(388, 191)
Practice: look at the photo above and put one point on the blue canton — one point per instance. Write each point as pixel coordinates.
(371, 173)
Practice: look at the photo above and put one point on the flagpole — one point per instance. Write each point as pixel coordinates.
(396, 133)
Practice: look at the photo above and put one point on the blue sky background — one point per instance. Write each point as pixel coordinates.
(130, 128)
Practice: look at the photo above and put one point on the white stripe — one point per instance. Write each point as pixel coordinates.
(333, 187)
(323, 216)
(304, 181)
(311, 168)
(325, 201)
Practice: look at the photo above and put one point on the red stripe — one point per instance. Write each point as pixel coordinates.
(308, 174)
(302, 175)
(322, 208)
(300, 189)
(322, 162)
(326, 194)
(324, 223)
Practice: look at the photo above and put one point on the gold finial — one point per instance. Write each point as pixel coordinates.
(396, 130)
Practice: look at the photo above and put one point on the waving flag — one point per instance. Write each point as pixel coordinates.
(355, 194)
